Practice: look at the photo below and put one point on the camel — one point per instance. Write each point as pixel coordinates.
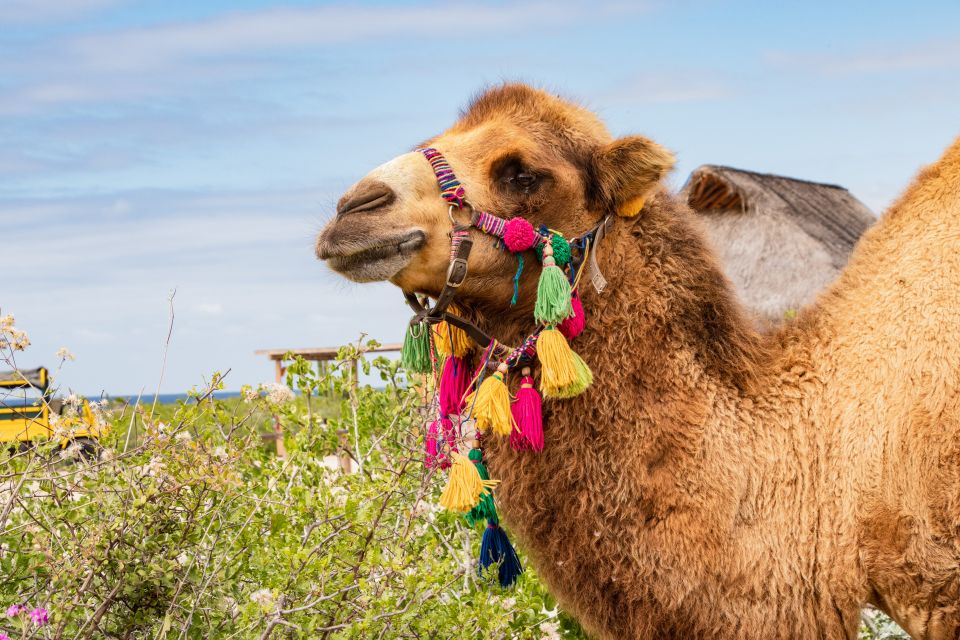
(714, 482)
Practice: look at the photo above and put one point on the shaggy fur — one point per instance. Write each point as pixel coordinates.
(715, 482)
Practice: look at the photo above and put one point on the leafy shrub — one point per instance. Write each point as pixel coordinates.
(188, 525)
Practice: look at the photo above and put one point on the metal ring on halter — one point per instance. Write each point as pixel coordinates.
(456, 206)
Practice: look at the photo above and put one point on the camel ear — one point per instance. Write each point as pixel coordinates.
(626, 171)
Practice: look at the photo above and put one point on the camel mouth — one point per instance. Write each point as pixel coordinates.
(370, 259)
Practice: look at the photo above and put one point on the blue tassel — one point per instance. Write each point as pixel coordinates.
(496, 547)
(516, 280)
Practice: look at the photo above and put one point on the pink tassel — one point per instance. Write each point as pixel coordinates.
(528, 415)
(573, 325)
(436, 453)
(454, 381)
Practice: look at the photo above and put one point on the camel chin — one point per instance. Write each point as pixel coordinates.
(374, 259)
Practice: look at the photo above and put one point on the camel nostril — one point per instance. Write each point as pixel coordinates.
(366, 196)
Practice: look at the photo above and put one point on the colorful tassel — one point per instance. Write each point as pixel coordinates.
(486, 509)
(415, 354)
(553, 292)
(558, 368)
(491, 404)
(584, 379)
(495, 547)
(450, 340)
(528, 414)
(573, 325)
(465, 486)
(454, 382)
(436, 453)
(560, 246)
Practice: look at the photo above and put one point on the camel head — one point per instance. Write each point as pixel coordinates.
(517, 151)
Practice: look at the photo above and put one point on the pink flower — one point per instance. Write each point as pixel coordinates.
(39, 616)
(4, 636)
(15, 609)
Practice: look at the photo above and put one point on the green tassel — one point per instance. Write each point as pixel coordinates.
(415, 354)
(553, 294)
(486, 509)
(584, 379)
(561, 249)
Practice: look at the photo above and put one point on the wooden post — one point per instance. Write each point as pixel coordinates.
(346, 462)
(277, 427)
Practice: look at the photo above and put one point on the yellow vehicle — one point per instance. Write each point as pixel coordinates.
(28, 412)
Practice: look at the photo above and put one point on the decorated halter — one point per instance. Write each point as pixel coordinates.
(438, 342)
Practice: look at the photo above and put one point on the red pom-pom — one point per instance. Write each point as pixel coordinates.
(573, 325)
(518, 235)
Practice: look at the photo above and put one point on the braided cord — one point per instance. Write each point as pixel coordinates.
(456, 237)
(490, 224)
(450, 188)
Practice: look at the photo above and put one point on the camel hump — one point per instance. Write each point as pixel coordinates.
(903, 279)
(935, 192)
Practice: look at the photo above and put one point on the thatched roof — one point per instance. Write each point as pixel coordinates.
(781, 240)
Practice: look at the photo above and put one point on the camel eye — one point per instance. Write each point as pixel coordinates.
(514, 176)
(525, 180)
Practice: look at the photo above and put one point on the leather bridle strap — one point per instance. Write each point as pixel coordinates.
(453, 193)
(423, 314)
(457, 273)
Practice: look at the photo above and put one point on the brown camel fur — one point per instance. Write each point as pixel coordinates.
(713, 482)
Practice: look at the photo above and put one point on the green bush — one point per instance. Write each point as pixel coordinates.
(188, 525)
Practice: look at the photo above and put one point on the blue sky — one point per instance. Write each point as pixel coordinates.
(199, 146)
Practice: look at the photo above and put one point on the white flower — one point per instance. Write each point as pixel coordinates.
(64, 354)
(278, 393)
(13, 338)
(249, 393)
(6, 322)
(220, 452)
(264, 598)
(550, 631)
(72, 400)
(72, 451)
(183, 436)
(153, 468)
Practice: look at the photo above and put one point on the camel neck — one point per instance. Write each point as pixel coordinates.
(666, 301)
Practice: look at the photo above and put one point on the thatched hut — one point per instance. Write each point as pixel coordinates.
(782, 240)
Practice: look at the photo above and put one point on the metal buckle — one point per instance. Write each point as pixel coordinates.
(456, 272)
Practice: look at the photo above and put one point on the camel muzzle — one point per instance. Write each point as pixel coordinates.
(366, 197)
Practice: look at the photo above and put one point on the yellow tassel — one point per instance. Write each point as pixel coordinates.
(450, 340)
(491, 404)
(465, 486)
(558, 368)
(631, 208)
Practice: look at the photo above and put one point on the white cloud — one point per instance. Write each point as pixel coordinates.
(209, 308)
(25, 11)
(926, 55)
(677, 87)
(147, 61)
(293, 27)
(119, 207)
